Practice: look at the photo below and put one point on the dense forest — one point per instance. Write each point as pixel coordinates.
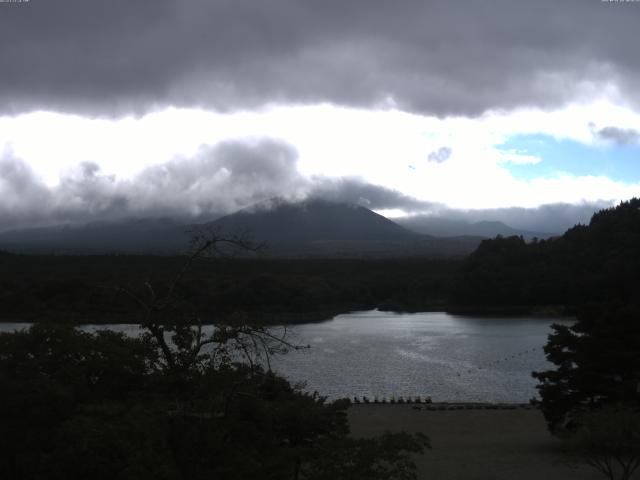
(68, 398)
(174, 403)
(88, 288)
(590, 263)
(75, 405)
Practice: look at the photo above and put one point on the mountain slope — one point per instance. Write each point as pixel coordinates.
(134, 235)
(445, 227)
(314, 228)
(278, 222)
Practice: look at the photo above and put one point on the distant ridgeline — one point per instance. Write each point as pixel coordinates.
(309, 229)
(595, 263)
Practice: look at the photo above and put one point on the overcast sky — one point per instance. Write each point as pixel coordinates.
(122, 108)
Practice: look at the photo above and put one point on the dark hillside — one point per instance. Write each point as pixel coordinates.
(309, 229)
(84, 288)
(597, 262)
(312, 221)
(446, 227)
(131, 236)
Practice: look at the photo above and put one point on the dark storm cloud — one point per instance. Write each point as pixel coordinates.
(621, 136)
(442, 57)
(440, 155)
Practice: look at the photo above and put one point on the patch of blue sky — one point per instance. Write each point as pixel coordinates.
(617, 162)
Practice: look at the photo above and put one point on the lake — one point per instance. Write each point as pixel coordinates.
(385, 354)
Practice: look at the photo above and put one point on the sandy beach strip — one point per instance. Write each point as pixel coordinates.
(474, 444)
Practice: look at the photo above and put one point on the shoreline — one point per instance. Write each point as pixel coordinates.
(448, 405)
(297, 318)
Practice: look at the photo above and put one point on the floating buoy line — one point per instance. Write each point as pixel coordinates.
(499, 361)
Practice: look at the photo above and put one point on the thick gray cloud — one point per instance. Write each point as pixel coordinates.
(440, 57)
(216, 181)
(220, 180)
(622, 136)
(374, 197)
(21, 194)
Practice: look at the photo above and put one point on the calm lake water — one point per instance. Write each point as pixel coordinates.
(450, 358)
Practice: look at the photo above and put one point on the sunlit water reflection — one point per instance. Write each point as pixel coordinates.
(450, 358)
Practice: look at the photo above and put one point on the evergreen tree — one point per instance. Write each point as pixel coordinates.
(597, 362)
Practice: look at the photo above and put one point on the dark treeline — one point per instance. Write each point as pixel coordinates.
(86, 288)
(591, 397)
(67, 398)
(599, 262)
(174, 402)
(100, 406)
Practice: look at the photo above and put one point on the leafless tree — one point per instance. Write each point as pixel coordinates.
(177, 328)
